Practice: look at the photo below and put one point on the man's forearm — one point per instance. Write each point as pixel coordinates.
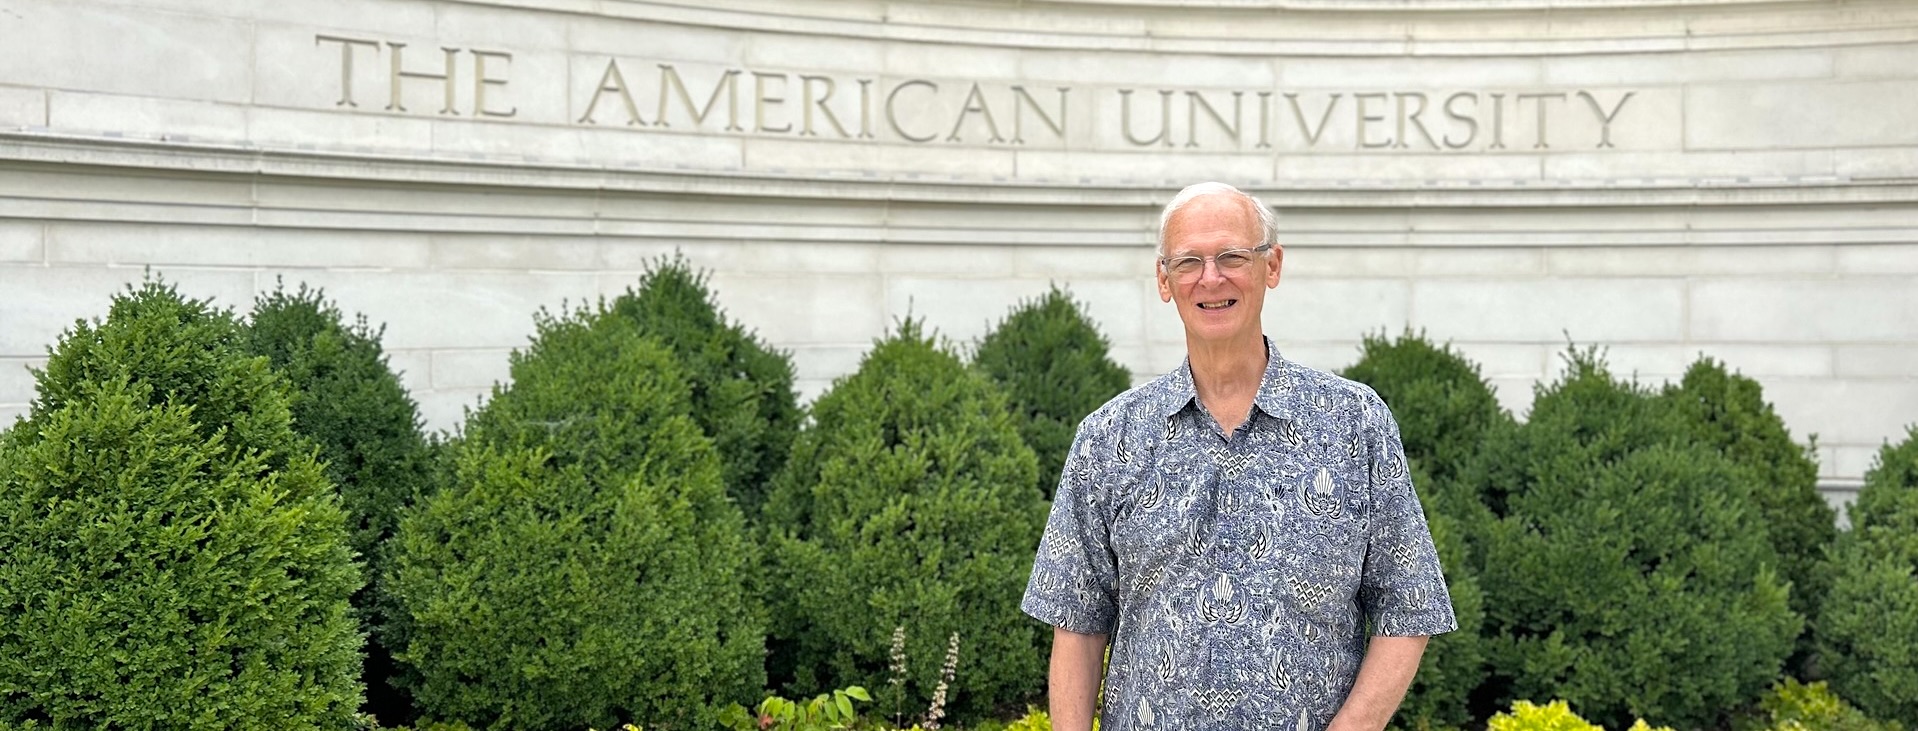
(1078, 662)
(1384, 675)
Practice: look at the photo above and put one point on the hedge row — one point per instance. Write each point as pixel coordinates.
(638, 527)
(1643, 552)
(185, 503)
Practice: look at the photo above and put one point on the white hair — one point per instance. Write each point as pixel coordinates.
(1268, 221)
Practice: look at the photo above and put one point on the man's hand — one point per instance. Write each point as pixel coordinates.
(1078, 664)
(1390, 663)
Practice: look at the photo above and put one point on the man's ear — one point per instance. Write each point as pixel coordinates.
(1165, 285)
(1273, 265)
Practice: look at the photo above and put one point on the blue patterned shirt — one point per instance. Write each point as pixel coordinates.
(1237, 577)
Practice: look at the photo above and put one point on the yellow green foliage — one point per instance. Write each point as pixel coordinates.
(1553, 716)
(1037, 720)
(1034, 720)
(1795, 706)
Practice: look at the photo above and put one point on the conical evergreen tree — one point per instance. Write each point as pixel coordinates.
(348, 401)
(1054, 366)
(174, 556)
(908, 503)
(1629, 570)
(583, 567)
(1727, 412)
(742, 389)
(1445, 410)
(1868, 634)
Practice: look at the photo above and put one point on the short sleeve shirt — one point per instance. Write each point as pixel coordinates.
(1237, 577)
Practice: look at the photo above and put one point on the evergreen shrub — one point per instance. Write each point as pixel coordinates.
(174, 557)
(1443, 405)
(1727, 412)
(908, 502)
(1445, 411)
(348, 402)
(1453, 665)
(1629, 570)
(1869, 633)
(1055, 368)
(742, 389)
(583, 566)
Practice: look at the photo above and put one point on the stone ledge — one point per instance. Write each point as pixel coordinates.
(1296, 27)
(31, 149)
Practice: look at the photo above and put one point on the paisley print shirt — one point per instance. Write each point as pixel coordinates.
(1237, 577)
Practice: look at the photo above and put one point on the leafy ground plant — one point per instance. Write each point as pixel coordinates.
(823, 713)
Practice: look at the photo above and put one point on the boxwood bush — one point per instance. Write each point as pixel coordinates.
(1054, 366)
(1869, 632)
(1727, 412)
(1453, 665)
(346, 400)
(584, 566)
(1629, 570)
(1443, 405)
(908, 502)
(174, 557)
(742, 389)
(1445, 411)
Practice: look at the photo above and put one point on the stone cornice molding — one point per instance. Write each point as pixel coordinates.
(1479, 28)
(68, 152)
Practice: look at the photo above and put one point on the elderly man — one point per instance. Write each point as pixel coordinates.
(1242, 529)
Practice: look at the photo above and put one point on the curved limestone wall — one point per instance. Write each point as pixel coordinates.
(1662, 177)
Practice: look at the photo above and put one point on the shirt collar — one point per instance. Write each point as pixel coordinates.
(1273, 398)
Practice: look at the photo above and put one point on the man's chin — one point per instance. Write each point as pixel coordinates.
(1201, 331)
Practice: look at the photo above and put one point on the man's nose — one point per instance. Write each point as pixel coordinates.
(1209, 271)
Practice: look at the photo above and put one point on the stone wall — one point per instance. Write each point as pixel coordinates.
(1660, 177)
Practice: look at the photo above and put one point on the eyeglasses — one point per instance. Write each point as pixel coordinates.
(1187, 269)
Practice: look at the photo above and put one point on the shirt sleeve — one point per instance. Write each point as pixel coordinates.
(1402, 590)
(1075, 574)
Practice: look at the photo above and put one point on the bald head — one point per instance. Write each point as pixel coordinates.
(1212, 193)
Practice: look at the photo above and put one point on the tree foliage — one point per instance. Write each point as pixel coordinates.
(909, 502)
(174, 556)
(1869, 630)
(583, 567)
(1055, 368)
(742, 389)
(1628, 568)
(349, 403)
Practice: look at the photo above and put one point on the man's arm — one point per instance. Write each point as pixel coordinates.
(1386, 673)
(1078, 664)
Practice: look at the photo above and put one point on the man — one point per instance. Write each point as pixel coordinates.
(1236, 527)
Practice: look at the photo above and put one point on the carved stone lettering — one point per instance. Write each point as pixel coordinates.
(892, 113)
(917, 110)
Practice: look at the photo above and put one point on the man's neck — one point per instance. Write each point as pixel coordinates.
(1227, 373)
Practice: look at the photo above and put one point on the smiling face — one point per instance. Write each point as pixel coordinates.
(1218, 308)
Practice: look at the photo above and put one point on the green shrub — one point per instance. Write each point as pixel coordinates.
(1052, 363)
(1453, 665)
(909, 502)
(349, 402)
(1868, 636)
(1444, 407)
(1629, 570)
(1727, 412)
(173, 557)
(583, 566)
(1445, 411)
(742, 389)
(1890, 495)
